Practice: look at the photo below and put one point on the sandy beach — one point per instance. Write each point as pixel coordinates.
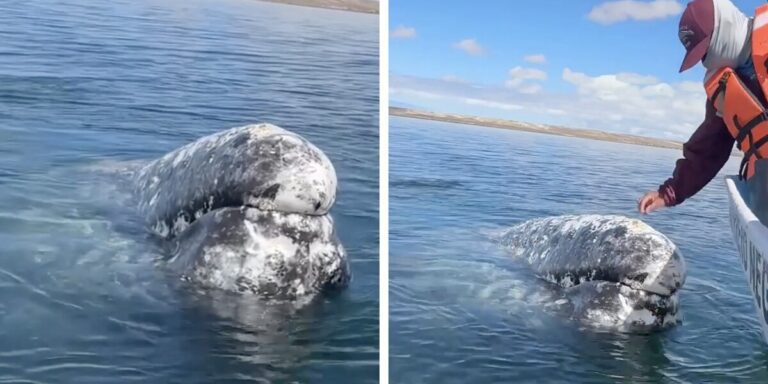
(362, 6)
(540, 128)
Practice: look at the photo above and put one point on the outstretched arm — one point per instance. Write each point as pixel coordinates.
(704, 154)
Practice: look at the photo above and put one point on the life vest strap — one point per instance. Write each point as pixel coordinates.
(746, 129)
(720, 87)
(743, 169)
(753, 151)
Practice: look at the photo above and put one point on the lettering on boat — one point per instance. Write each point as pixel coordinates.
(753, 262)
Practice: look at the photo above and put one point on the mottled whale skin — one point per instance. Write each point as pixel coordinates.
(614, 271)
(247, 210)
(271, 254)
(260, 165)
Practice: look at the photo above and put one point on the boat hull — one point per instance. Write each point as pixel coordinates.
(751, 238)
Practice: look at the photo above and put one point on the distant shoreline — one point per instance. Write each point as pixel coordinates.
(540, 128)
(360, 6)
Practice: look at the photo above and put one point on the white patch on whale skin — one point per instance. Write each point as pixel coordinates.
(262, 243)
(260, 131)
(161, 229)
(264, 256)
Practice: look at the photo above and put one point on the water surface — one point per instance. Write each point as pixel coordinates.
(462, 311)
(88, 85)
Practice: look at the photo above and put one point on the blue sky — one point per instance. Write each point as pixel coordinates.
(610, 65)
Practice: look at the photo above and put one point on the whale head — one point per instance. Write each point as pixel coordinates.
(612, 271)
(247, 210)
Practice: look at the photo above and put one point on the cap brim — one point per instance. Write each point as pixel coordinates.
(695, 55)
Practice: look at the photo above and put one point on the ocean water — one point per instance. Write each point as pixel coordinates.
(88, 86)
(461, 311)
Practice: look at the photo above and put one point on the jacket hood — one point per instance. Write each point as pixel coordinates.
(729, 46)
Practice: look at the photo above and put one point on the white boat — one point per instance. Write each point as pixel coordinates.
(751, 238)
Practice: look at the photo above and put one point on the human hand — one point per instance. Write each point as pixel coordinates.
(650, 202)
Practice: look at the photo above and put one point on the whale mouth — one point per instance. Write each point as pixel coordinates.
(639, 281)
(616, 305)
(620, 297)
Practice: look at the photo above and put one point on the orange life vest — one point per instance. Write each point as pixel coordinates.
(742, 112)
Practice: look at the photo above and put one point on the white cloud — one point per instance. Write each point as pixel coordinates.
(521, 73)
(536, 59)
(407, 92)
(492, 104)
(530, 89)
(554, 111)
(634, 78)
(617, 11)
(453, 79)
(621, 102)
(470, 46)
(403, 32)
(524, 80)
(641, 101)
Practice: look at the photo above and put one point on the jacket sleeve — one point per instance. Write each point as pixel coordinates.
(704, 154)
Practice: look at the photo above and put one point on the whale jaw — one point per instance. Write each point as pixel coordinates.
(615, 306)
(266, 253)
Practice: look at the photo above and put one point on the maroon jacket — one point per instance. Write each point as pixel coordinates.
(705, 153)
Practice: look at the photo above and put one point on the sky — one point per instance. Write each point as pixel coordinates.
(608, 65)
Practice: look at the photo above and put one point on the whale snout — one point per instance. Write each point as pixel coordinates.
(646, 260)
(301, 178)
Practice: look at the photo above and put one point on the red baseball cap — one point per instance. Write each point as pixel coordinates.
(695, 30)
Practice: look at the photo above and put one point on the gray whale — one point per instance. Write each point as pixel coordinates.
(613, 271)
(247, 210)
